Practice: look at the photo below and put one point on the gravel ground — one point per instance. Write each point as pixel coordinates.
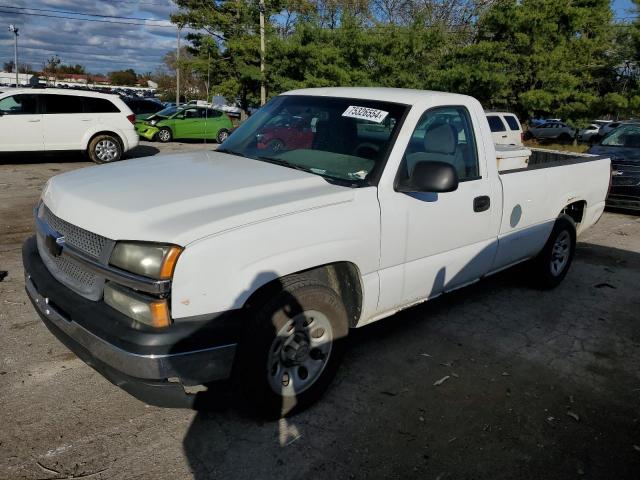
(540, 384)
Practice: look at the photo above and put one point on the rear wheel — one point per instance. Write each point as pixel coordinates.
(164, 135)
(565, 137)
(551, 265)
(292, 347)
(104, 149)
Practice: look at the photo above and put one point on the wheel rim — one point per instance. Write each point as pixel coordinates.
(299, 353)
(164, 135)
(106, 150)
(222, 136)
(275, 146)
(560, 253)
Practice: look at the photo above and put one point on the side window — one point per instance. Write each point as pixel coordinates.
(99, 105)
(62, 104)
(444, 134)
(25, 104)
(495, 124)
(212, 113)
(512, 122)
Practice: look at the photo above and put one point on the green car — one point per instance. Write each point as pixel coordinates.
(185, 122)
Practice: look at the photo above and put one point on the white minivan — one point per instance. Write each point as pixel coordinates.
(505, 128)
(33, 120)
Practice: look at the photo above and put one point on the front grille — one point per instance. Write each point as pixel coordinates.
(90, 243)
(67, 271)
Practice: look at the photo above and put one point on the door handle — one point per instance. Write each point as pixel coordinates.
(481, 204)
(504, 136)
(86, 119)
(34, 121)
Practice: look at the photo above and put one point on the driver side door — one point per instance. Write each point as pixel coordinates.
(189, 124)
(436, 242)
(21, 124)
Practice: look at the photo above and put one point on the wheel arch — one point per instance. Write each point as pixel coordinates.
(104, 132)
(342, 277)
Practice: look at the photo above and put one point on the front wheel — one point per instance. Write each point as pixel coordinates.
(104, 149)
(164, 135)
(292, 348)
(551, 265)
(223, 134)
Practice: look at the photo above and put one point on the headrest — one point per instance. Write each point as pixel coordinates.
(440, 138)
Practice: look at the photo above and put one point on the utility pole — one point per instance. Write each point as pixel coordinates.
(178, 69)
(14, 30)
(263, 90)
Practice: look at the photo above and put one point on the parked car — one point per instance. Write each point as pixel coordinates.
(607, 128)
(192, 267)
(589, 134)
(285, 132)
(54, 119)
(185, 123)
(505, 128)
(142, 108)
(623, 146)
(552, 131)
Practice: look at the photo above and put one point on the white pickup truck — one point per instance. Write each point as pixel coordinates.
(252, 262)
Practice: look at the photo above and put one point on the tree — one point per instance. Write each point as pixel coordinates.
(8, 66)
(124, 77)
(50, 68)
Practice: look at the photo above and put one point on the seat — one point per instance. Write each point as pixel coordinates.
(440, 144)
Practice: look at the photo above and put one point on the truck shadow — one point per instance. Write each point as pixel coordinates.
(372, 411)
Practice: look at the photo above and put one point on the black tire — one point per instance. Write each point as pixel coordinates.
(276, 145)
(222, 135)
(546, 268)
(165, 135)
(261, 362)
(104, 149)
(565, 137)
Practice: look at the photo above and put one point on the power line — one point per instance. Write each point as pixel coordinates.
(66, 12)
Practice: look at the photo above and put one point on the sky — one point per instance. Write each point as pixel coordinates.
(100, 46)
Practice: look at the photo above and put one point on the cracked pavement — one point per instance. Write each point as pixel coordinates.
(541, 384)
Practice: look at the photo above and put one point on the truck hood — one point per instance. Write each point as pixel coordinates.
(184, 197)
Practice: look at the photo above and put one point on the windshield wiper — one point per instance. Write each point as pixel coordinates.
(284, 163)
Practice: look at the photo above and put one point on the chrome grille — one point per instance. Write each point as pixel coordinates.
(67, 271)
(90, 243)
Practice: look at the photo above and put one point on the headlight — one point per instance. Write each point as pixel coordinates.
(147, 310)
(147, 259)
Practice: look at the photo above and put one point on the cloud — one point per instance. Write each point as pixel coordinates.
(98, 45)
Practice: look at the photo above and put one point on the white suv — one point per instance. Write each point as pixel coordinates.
(34, 120)
(505, 128)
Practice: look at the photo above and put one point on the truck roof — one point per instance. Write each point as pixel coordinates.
(405, 96)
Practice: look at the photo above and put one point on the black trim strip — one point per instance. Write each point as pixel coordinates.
(558, 163)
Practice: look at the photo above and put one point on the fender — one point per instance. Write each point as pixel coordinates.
(218, 273)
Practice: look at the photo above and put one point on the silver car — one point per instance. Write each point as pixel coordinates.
(552, 131)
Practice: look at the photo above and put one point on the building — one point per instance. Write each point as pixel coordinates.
(9, 78)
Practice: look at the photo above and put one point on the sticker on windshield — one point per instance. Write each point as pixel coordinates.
(364, 113)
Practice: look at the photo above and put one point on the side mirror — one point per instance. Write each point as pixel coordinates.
(436, 177)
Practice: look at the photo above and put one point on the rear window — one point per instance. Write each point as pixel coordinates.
(495, 124)
(62, 104)
(99, 105)
(512, 122)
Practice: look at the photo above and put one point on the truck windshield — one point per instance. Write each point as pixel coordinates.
(342, 139)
